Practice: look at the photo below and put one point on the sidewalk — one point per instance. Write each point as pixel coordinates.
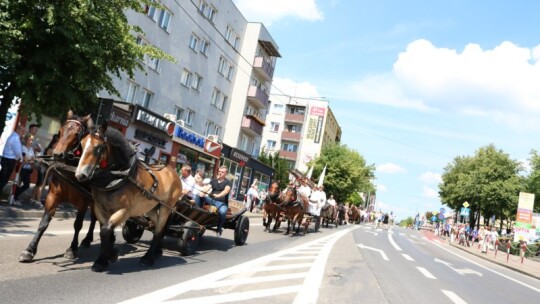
(530, 267)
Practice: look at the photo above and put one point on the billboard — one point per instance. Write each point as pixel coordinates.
(524, 217)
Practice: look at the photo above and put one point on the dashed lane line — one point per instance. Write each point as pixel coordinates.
(426, 273)
(306, 292)
(453, 297)
(407, 257)
(391, 240)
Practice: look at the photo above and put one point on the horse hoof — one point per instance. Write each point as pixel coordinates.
(86, 243)
(69, 254)
(146, 262)
(26, 257)
(98, 267)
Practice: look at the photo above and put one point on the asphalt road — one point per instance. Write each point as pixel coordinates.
(351, 264)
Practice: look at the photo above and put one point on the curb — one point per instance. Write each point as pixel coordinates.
(14, 212)
(498, 262)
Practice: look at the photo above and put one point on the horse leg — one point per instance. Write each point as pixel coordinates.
(90, 234)
(288, 225)
(276, 220)
(106, 250)
(269, 223)
(264, 217)
(28, 254)
(155, 249)
(71, 252)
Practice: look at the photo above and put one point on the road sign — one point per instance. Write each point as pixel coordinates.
(466, 204)
(433, 218)
(465, 211)
(441, 216)
(443, 210)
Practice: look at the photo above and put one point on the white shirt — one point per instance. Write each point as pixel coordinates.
(332, 202)
(188, 183)
(253, 192)
(304, 190)
(28, 156)
(13, 147)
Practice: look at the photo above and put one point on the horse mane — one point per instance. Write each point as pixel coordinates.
(122, 150)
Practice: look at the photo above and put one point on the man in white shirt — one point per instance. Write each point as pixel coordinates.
(188, 182)
(11, 154)
(332, 201)
(317, 201)
(252, 197)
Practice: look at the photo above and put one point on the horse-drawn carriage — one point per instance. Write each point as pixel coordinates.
(189, 222)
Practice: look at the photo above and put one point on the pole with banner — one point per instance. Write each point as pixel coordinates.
(524, 217)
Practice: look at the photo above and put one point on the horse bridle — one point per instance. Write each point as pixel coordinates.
(98, 152)
(77, 150)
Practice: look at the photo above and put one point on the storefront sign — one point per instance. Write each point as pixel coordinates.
(153, 120)
(189, 136)
(239, 156)
(120, 117)
(150, 138)
(212, 148)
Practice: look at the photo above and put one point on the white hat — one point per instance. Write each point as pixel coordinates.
(206, 181)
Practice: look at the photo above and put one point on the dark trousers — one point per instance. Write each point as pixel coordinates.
(25, 179)
(8, 165)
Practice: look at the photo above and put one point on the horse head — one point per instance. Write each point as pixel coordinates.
(95, 153)
(70, 136)
(290, 195)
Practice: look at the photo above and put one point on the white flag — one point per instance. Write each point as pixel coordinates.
(321, 178)
(310, 172)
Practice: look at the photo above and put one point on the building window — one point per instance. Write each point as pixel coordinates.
(146, 99)
(274, 127)
(217, 130)
(151, 12)
(178, 113)
(190, 114)
(165, 20)
(223, 104)
(215, 97)
(185, 80)
(230, 72)
(221, 65)
(208, 128)
(131, 92)
(278, 108)
(193, 41)
(271, 144)
(236, 42)
(202, 7)
(210, 13)
(153, 63)
(228, 33)
(289, 147)
(244, 142)
(205, 45)
(196, 82)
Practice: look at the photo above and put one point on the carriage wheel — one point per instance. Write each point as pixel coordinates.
(187, 243)
(132, 232)
(241, 231)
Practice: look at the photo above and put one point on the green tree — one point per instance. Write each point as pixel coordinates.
(489, 181)
(532, 182)
(280, 165)
(346, 172)
(57, 55)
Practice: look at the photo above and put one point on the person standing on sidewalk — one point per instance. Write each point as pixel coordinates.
(26, 170)
(11, 154)
(252, 197)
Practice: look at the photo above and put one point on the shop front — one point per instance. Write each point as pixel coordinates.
(191, 148)
(244, 171)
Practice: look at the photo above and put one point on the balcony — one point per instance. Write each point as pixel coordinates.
(296, 118)
(291, 136)
(289, 155)
(252, 125)
(263, 67)
(258, 96)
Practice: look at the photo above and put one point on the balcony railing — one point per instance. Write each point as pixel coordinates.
(258, 96)
(297, 118)
(252, 126)
(291, 136)
(288, 155)
(264, 67)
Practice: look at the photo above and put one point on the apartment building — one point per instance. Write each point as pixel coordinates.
(298, 128)
(216, 90)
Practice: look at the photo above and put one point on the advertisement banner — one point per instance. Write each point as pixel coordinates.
(524, 217)
(11, 118)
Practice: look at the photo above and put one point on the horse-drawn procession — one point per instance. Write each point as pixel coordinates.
(97, 168)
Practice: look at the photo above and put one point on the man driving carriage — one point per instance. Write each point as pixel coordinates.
(219, 197)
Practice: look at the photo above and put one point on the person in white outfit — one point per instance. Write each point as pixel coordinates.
(252, 197)
(188, 182)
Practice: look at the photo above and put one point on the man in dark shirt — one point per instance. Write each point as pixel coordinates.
(219, 197)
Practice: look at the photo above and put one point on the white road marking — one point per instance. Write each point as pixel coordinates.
(279, 267)
(453, 297)
(460, 271)
(426, 273)
(254, 280)
(401, 233)
(307, 292)
(407, 257)
(391, 240)
(374, 233)
(486, 268)
(413, 236)
(375, 249)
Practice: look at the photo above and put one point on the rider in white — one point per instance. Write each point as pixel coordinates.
(332, 201)
(304, 189)
(316, 201)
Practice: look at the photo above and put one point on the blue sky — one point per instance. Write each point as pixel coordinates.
(413, 84)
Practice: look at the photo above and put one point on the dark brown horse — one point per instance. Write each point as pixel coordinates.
(271, 207)
(295, 207)
(64, 189)
(123, 187)
(354, 214)
(329, 215)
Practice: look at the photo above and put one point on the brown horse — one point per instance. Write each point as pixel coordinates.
(354, 214)
(62, 188)
(123, 187)
(295, 207)
(271, 207)
(329, 215)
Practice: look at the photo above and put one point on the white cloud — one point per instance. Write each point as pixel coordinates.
(269, 12)
(381, 188)
(501, 83)
(390, 168)
(430, 192)
(430, 178)
(288, 87)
